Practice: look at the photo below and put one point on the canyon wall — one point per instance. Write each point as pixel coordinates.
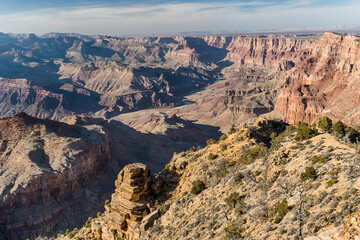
(108, 76)
(45, 167)
(324, 83)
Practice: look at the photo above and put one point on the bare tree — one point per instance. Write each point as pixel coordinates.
(287, 187)
(300, 210)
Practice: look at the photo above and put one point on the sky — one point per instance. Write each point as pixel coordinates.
(151, 17)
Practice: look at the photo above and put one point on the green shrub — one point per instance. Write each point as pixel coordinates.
(239, 177)
(304, 132)
(145, 213)
(210, 141)
(223, 137)
(277, 139)
(233, 199)
(257, 173)
(232, 130)
(315, 159)
(163, 209)
(251, 155)
(212, 156)
(197, 187)
(98, 214)
(310, 173)
(281, 209)
(325, 124)
(88, 222)
(223, 147)
(69, 233)
(223, 169)
(331, 182)
(235, 230)
(339, 128)
(193, 149)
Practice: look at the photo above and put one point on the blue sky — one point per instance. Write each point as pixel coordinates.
(120, 17)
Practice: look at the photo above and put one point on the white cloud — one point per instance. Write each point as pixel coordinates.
(172, 18)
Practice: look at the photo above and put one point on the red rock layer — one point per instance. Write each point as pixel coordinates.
(327, 82)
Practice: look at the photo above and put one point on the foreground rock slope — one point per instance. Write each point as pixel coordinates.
(255, 183)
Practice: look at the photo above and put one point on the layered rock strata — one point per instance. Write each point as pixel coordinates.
(124, 217)
(45, 168)
(326, 82)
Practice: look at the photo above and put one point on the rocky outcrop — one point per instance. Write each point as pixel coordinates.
(125, 215)
(127, 204)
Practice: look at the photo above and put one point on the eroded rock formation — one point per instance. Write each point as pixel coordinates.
(128, 202)
(125, 215)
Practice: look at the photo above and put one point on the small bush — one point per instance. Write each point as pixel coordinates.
(69, 233)
(239, 177)
(163, 209)
(233, 199)
(210, 141)
(339, 128)
(98, 214)
(251, 155)
(315, 159)
(235, 230)
(212, 156)
(145, 213)
(277, 140)
(325, 124)
(304, 132)
(223, 168)
(310, 173)
(232, 130)
(281, 209)
(198, 187)
(88, 222)
(223, 147)
(193, 149)
(223, 137)
(331, 182)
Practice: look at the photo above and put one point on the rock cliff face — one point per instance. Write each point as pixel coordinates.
(270, 51)
(44, 168)
(126, 208)
(326, 82)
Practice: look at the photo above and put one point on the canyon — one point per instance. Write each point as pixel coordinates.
(295, 78)
(77, 109)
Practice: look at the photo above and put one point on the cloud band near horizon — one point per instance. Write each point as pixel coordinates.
(158, 17)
